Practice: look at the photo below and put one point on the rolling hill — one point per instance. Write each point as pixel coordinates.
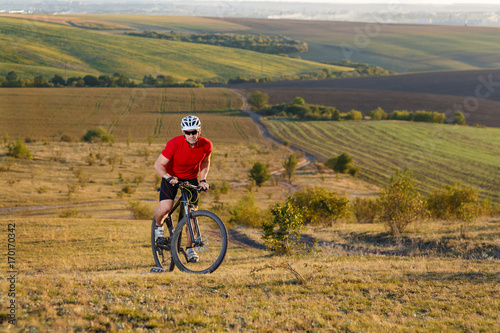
(37, 48)
(400, 47)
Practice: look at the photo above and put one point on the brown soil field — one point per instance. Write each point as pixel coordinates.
(476, 93)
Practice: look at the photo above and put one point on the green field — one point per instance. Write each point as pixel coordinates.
(37, 48)
(400, 47)
(438, 155)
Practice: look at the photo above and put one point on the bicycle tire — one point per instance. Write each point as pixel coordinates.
(162, 256)
(211, 255)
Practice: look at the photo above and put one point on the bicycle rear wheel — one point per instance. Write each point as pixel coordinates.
(210, 244)
(161, 250)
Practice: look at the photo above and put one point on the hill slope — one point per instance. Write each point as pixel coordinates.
(38, 48)
(399, 47)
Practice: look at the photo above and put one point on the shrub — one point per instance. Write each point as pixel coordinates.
(366, 210)
(298, 101)
(259, 173)
(400, 202)
(246, 212)
(378, 114)
(401, 115)
(353, 171)
(318, 205)
(354, 115)
(459, 118)
(98, 134)
(290, 165)
(127, 189)
(257, 99)
(341, 163)
(453, 201)
(18, 149)
(140, 210)
(282, 230)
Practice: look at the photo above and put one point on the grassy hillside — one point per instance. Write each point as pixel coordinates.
(437, 154)
(403, 48)
(32, 47)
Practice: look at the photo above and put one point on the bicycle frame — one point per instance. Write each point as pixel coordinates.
(185, 210)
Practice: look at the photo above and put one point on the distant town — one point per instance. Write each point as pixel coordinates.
(470, 15)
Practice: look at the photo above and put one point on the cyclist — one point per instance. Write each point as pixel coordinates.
(183, 158)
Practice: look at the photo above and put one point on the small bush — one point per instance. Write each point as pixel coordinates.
(18, 149)
(353, 171)
(452, 202)
(400, 202)
(98, 134)
(259, 173)
(246, 212)
(378, 114)
(342, 164)
(282, 230)
(140, 210)
(258, 99)
(318, 205)
(366, 210)
(127, 189)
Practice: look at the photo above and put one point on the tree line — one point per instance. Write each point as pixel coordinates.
(299, 109)
(257, 43)
(13, 80)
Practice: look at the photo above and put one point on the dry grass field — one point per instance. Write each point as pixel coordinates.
(139, 113)
(87, 274)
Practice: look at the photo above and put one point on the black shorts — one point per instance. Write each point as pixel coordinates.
(168, 191)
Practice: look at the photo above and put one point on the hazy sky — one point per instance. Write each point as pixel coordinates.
(412, 2)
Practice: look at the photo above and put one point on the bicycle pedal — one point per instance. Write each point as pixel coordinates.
(157, 269)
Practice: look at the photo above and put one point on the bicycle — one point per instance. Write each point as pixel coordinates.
(208, 232)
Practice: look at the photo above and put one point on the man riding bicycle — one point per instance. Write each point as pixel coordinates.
(183, 158)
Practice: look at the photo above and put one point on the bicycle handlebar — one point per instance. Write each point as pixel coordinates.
(191, 186)
(187, 185)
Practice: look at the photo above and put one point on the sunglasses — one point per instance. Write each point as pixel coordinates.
(191, 132)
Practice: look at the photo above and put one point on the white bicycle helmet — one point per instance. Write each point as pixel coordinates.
(190, 123)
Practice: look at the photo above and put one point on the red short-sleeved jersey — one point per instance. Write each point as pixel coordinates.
(184, 161)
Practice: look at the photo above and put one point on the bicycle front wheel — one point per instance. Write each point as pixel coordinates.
(210, 243)
(161, 250)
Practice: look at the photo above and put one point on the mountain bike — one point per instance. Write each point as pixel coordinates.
(208, 232)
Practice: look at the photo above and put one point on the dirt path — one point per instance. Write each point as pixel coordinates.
(308, 159)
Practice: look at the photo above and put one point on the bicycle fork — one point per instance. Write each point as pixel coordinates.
(191, 221)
